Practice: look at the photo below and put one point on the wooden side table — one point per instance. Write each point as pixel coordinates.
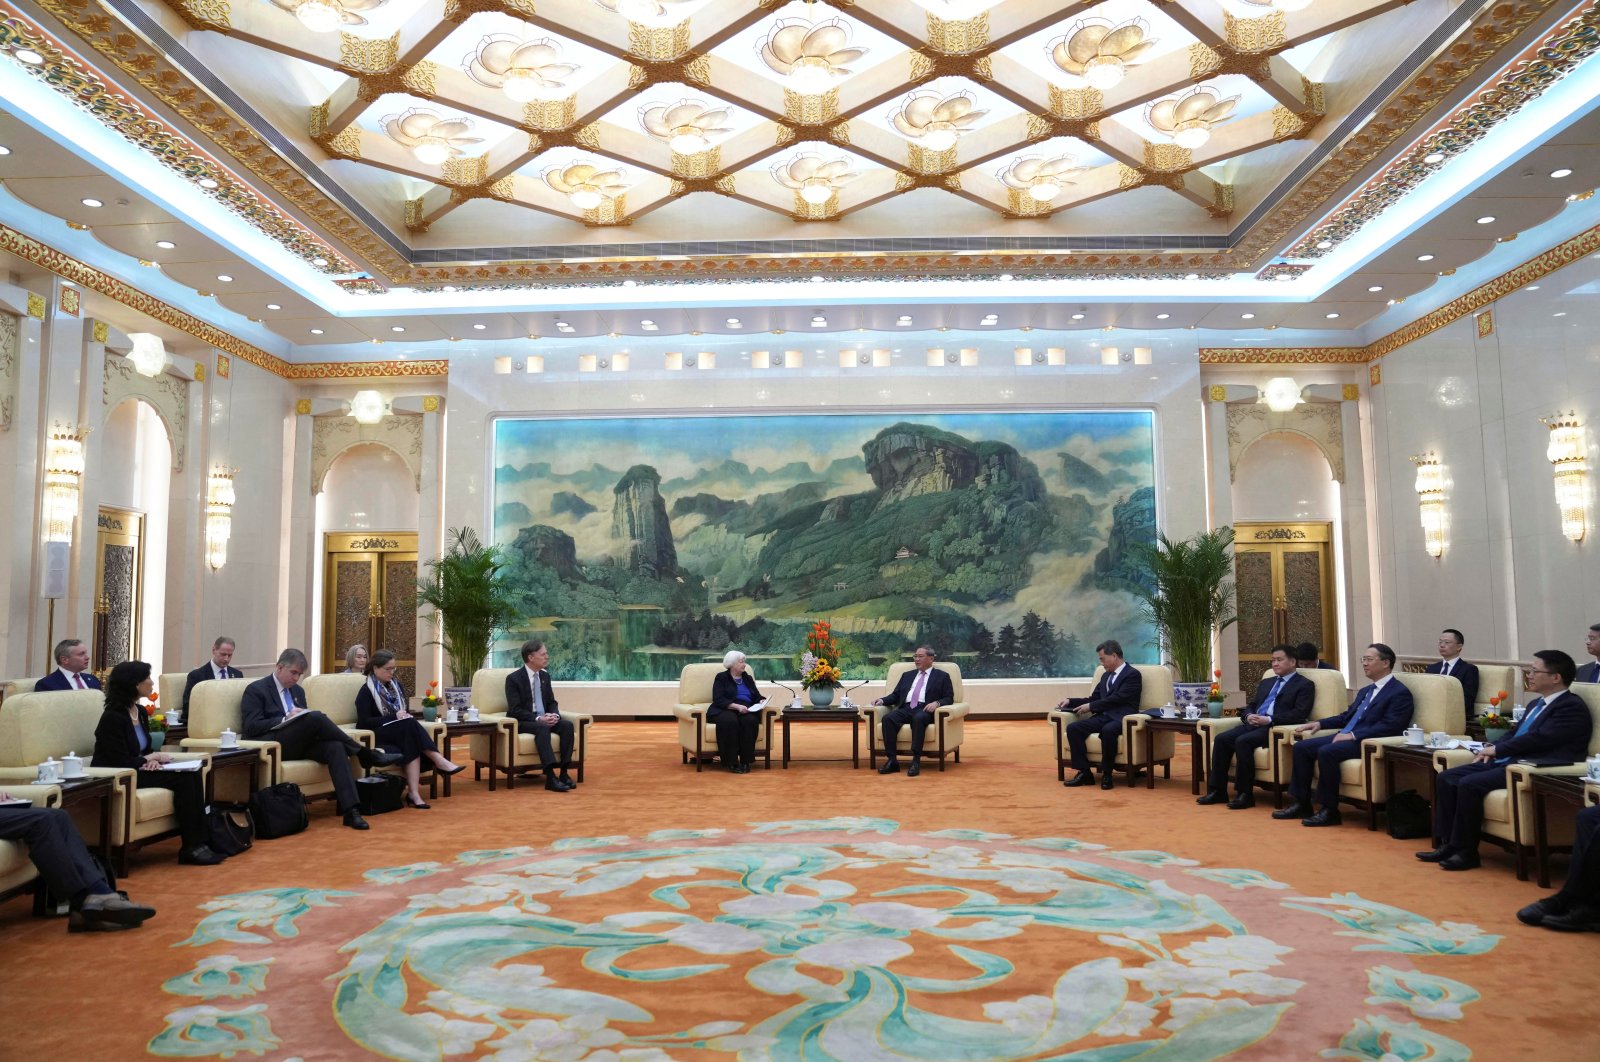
(1418, 756)
(101, 788)
(233, 759)
(824, 715)
(1569, 788)
(452, 730)
(1197, 764)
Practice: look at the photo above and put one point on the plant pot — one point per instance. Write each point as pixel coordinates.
(821, 696)
(430, 713)
(1186, 693)
(1495, 734)
(157, 739)
(1215, 708)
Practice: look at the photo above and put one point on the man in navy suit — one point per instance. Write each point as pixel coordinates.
(1555, 729)
(274, 709)
(219, 668)
(1116, 695)
(532, 703)
(72, 669)
(915, 698)
(1590, 672)
(1283, 699)
(1310, 659)
(1382, 709)
(1576, 908)
(1451, 665)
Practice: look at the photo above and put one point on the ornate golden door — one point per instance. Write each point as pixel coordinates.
(1285, 592)
(118, 587)
(370, 598)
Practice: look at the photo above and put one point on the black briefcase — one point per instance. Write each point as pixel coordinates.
(1410, 816)
(380, 793)
(278, 811)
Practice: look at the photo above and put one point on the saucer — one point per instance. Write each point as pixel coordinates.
(75, 777)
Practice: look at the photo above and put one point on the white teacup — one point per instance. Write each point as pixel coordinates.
(472, 715)
(1191, 712)
(1517, 713)
(1594, 772)
(175, 717)
(1414, 736)
(452, 716)
(228, 739)
(1438, 738)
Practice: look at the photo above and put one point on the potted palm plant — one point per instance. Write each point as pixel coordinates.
(1190, 599)
(469, 606)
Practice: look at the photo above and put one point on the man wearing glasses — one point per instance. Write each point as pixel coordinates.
(1554, 730)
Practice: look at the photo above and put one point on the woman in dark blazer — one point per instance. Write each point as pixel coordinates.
(733, 693)
(381, 708)
(122, 739)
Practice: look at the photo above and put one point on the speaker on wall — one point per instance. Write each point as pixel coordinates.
(57, 560)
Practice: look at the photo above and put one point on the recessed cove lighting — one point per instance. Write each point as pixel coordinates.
(1005, 276)
(1487, 219)
(90, 202)
(1247, 316)
(1433, 159)
(225, 278)
(1562, 172)
(479, 327)
(165, 245)
(818, 279)
(903, 319)
(1077, 317)
(1192, 276)
(397, 328)
(1424, 257)
(1331, 316)
(1323, 245)
(732, 322)
(4, 150)
(319, 262)
(1561, 313)
(29, 56)
(1162, 316)
(1533, 287)
(206, 182)
(1376, 287)
(316, 331)
(273, 306)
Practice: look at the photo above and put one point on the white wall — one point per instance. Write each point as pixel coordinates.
(1284, 476)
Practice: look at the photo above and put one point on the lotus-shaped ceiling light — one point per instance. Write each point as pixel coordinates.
(432, 139)
(686, 126)
(1188, 119)
(814, 179)
(935, 121)
(323, 16)
(586, 184)
(525, 70)
(633, 9)
(1041, 178)
(1281, 5)
(1100, 52)
(810, 54)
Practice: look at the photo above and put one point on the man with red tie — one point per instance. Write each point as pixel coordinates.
(72, 669)
(917, 695)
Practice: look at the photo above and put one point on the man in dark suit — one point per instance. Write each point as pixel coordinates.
(274, 709)
(532, 703)
(1554, 730)
(1279, 701)
(1309, 658)
(219, 668)
(1450, 664)
(1114, 696)
(1382, 709)
(72, 669)
(915, 698)
(57, 850)
(1576, 908)
(1590, 672)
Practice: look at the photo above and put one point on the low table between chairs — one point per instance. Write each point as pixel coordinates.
(824, 715)
(1197, 759)
(1562, 787)
(1417, 756)
(452, 730)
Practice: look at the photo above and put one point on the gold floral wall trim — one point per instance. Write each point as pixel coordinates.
(1283, 355)
(83, 86)
(351, 370)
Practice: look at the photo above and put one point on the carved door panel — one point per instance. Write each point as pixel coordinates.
(1284, 575)
(370, 598)
(118, 588)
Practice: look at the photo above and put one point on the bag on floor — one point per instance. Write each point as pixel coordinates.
(1410, 816)
(278, 811)
(231, 827)
(380, 793)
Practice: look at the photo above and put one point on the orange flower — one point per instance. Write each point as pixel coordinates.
(1494, 702)
(154, 696)
(1504, 695)
(1217, 673)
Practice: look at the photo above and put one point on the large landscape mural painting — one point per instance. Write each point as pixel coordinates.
(636, 545)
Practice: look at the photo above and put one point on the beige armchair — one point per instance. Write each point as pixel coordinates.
(17, 871)
(335, 696)
(12, 687)
(35, 726)
(1492, 678)
(946, 732)
(1437, 705)
(170, 686)
(518, 754)
(697, 735)
(1272, 760)
(1508, 813)
(1155, 690)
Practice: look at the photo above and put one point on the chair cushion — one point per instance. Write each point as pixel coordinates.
(36, 726)
(215, 705)
(334, 696)
(153, 803)
(1438, 702)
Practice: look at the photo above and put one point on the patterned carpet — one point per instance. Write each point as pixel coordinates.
(816, 913)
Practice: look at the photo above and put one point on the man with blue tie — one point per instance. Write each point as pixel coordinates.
(1115, 696)
(1451, 665)
(1382, 709)
(1590, 672)
(1285, 698)
(274, 709)
(1554, 730)
(72, 669)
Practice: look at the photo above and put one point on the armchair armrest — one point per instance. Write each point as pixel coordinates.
(1444, 759)
(690, 713)
(270, 752)
(1210, 728)
(366, 737)
(43, 796)
(958, 710)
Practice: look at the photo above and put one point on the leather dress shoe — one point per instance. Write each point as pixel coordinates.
(892, 767)
(1242, 801)
(1211, 796)
(1580, 919)
(109, 910)
(377, 757)
(1325, 817)
(566, 779)
(1437, 855)
(1081, 778)
(1536, 912)
(353, 819)
(913, 770)
(1108, 781)
(553, 784)
(1295, 810)
(1460, 861)
(200, 856)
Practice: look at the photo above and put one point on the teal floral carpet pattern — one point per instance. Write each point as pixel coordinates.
(843, 938)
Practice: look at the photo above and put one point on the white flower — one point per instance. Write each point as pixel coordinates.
(1187, 1011)
(715, 938)
(456, 1037)
(766, 905)
(1131, 1020)
(518, 977)
(250, 901)
(846, 953)
(1027, 1016)
(898, 915)
(225, 962)
(207, 1016)
(463, 896)
(456, 1003)
(1260, 984)
(715, 1028)
(1241, 952)
(1163, 975)
(892, 850)
(629, 1054)
(567, 1040)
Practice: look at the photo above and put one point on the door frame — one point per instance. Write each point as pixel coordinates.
(1280, 538)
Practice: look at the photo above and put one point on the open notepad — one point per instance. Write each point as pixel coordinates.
(183, 765)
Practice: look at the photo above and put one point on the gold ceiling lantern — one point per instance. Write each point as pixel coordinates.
(935, 122)
(586, 184)
(812, 179)
(812, 55)
(1040, 178)
(434, 140)
(1100, 52)
(525, 70)
(325, 16)
(686, 126)
(1189, 118)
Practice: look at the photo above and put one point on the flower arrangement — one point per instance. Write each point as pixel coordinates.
(1494, 719)
(157, 718)
(1216, 686)
(815, 669)
(431, 698)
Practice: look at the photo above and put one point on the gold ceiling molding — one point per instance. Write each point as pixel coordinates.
(1283, 356)
(352, 370)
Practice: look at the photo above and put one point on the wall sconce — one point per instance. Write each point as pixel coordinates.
(1281, 394)
(1568, 456)
(149, 354)
(1430, 500)
(219, 515)
(63, 473)
(368, 407)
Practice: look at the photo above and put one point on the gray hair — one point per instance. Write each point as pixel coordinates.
(350, 654)
(293, 658)
(733, 656)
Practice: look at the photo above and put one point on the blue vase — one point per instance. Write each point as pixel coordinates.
(821, 696)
